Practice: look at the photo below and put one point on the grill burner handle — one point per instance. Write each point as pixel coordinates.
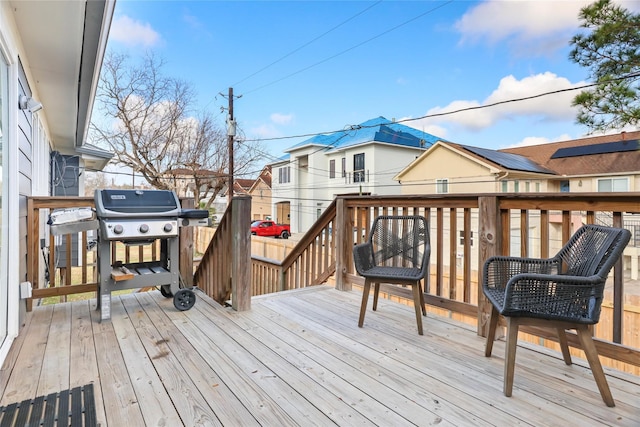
(194, 213)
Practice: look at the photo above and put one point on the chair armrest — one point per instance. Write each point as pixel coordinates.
(363, 257)
(498, 270)
(554, 297)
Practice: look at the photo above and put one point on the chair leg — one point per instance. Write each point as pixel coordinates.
(418, 305)
(510, 354)
(376, 291)
(365, 298)
(594, 362)
(422, 304)
(564, 346)
(491, 333)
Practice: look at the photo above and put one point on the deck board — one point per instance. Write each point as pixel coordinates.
(297, 358)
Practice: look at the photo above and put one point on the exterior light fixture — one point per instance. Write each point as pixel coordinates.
(28, 103)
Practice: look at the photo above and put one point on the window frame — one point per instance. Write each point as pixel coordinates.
(359, 167)
(442, 185)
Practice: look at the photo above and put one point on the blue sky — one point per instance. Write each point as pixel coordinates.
(304, 67)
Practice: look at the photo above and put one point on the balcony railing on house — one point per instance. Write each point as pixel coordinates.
(465, 231)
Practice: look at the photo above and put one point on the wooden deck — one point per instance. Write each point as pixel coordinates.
(297, 358)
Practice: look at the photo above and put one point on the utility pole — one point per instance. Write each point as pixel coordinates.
(231, 133)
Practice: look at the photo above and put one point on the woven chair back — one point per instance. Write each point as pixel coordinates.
(400, 241)
(589, 250)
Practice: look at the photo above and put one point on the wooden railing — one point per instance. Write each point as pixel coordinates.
(78, 273)
(465, 231)
(223, 272)
(311, 262)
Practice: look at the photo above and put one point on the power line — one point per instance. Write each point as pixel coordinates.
(460, 110)
(308, 43)
(350, 48)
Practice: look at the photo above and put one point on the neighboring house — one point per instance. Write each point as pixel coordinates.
(50, 57)
(605, 163)
(260, 192)
(360, 160)
(241, 186)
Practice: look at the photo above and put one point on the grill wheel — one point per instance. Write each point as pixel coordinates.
(184, 299)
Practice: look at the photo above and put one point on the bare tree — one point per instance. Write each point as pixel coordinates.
(154, 131)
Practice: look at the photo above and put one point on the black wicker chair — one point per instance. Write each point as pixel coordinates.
(563, 292)
(397, 252)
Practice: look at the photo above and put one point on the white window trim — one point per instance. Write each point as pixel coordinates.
(439, 183)
(612, 178)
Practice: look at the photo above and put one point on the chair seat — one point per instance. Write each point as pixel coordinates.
(393, 273)
(578, 310)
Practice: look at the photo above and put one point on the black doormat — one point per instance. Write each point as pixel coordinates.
(75, 407)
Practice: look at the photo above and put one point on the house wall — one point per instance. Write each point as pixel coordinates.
(23, 142)
(311, 189)
(282, 192)
(25, 168)
(590, 184)
(260, 201)
(463, 174)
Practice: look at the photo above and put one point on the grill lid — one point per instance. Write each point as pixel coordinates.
(136, 203)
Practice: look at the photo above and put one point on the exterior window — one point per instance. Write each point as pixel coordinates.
(613, 184)
(332, 168)
(461, 235)
(284, 174)
(344, 167)
(358, 167)
(564, 186)
(505, 186)
(537, 187)
(527, 186)
(442, 186)
(516, 186)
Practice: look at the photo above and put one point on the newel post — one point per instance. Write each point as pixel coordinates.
(241, 253)
(343, 227)
(490, 245)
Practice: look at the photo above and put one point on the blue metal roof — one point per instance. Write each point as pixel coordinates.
(375, 130)
(508, 160)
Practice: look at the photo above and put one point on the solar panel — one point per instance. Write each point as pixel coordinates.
(508, 160)
(603, 148)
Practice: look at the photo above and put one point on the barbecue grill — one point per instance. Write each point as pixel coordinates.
(140, 217)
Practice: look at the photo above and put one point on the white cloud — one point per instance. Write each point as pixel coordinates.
(555, 107)
(495, 20)
(424, 127)
(281, 119)
(133, 33)
(537, 140)
(264, 131)
(529, 26)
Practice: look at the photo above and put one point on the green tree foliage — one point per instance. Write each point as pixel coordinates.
(610, 48)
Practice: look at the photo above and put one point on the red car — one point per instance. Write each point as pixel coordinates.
(269, 228)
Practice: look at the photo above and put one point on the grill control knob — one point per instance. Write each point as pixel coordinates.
(118, 229)
(168, 227)
(144, 228)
